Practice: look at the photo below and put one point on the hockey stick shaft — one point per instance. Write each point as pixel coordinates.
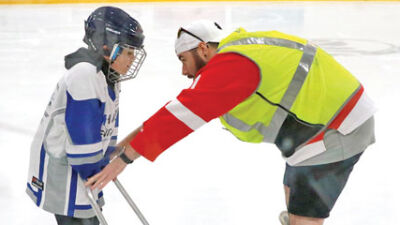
(130, 201)
(96, 207)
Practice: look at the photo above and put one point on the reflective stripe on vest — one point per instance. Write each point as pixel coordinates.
(271, 131)
(265, 41)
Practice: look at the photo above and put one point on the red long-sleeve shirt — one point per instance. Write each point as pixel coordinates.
(226, 80)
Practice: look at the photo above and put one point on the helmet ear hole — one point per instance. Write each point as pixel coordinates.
(106, 51)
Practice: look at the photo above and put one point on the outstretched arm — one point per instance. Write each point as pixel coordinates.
(228, 80)
(112, 170)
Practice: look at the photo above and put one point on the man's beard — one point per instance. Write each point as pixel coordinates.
(198, 62)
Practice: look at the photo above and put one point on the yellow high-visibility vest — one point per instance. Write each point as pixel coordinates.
(302, 88)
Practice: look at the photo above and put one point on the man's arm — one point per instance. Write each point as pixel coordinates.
(226, 81)
(112, 170)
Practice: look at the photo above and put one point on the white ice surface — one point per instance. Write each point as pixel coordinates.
(209, 177)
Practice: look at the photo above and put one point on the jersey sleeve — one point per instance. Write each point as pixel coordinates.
(83, 118)
(223, 83)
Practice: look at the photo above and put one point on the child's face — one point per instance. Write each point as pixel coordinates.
(124, 61)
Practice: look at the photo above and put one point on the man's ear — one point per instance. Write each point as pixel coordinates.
(203, 49)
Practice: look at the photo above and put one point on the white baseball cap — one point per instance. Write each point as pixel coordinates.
(191, 35)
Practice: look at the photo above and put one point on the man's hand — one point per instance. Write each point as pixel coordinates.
(110, 172)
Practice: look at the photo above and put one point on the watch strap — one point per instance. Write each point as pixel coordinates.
(125, 158)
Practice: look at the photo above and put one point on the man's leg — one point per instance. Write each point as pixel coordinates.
(301, 220)
(311, 191)
(298, 220)
(66, 220)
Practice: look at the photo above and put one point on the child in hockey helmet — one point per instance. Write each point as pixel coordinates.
(112, 33)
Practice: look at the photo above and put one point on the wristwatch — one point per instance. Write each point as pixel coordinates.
(124, 157)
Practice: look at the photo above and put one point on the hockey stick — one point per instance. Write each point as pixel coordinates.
(97, 209)
(130, 201)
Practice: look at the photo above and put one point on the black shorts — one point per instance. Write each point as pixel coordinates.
(66, 220)
(315, 189)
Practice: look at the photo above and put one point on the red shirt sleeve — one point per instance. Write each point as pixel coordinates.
(226, 80)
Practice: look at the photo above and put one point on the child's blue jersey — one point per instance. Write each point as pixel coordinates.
(79, 125)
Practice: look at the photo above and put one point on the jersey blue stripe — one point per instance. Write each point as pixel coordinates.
(83, 119)
(41, 169)
(72, 193)
(117, 120)
(83, 207)
(111, 93)
(89, 169)
(85, 155)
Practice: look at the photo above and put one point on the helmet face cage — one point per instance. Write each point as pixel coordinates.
(139, 54)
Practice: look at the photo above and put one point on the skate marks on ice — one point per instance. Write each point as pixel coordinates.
(356, 47)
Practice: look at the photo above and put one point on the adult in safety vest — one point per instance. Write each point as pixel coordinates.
(266, 87)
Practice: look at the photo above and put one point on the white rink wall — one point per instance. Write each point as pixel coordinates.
(209, 177)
